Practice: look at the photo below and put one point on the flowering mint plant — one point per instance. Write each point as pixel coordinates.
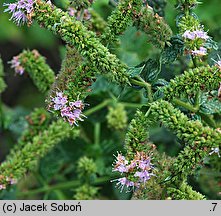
(150, 90)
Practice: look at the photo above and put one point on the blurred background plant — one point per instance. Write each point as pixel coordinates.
(81, 168)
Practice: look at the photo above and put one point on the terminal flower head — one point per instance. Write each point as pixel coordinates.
(120, 164)
(20, 11)
(192, 35)
(122, 182)
(70, 111)
(189, 35)
(201, 34)
(11, 180)
(59, 101)
(201, 52)
(16, 65)
(138, 168)
(2, 187)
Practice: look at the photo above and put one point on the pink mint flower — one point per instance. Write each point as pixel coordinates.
(87, 15)
(215, 151)
(189, 35)
(59, 101)
(20, 10)
(16, 65)
(2, 187)
(201, 34)
(122, 182)
(69, 111)
(143, 176)
(144, 164)
(195, 34)
(78, 14)
(139, 168)
(72, 11)
(121, 164)
(77, 104)
(11, 181)
(201, 52)
(72, 115)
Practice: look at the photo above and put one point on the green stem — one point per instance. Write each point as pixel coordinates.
(108, 101)
(197, 99)
(97, 131)
(61, 186)
(98, 107)
(144, 84)
(208, 120)
(132, 105)
(186, 105)
(194, 61)
(148, 112)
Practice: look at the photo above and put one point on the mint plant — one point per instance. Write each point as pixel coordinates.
(95, 88)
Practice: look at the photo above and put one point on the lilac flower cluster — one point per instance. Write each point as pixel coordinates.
(9, 181)
(16, 64)
(70, 111)
(196, 49)
(200, 52)
(79, 15)
(20, 10)
(195, 35)
(140, 169)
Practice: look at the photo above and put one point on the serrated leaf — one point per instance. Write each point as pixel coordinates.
(211, 44)
(210, 104)
(151, 70)
(135, 71)
(160, 83)
(48, 166)
(158, 94)
(170, 53)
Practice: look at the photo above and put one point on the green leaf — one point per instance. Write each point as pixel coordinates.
(172, 52)
(211, 44)
(49, 166)
(151, 70)
(210, 103)
(135, 71)
(160, 83)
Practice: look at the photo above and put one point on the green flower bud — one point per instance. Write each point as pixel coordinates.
(86, 192)
(117, 117)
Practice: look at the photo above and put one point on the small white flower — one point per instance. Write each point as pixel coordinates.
(215, 150)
